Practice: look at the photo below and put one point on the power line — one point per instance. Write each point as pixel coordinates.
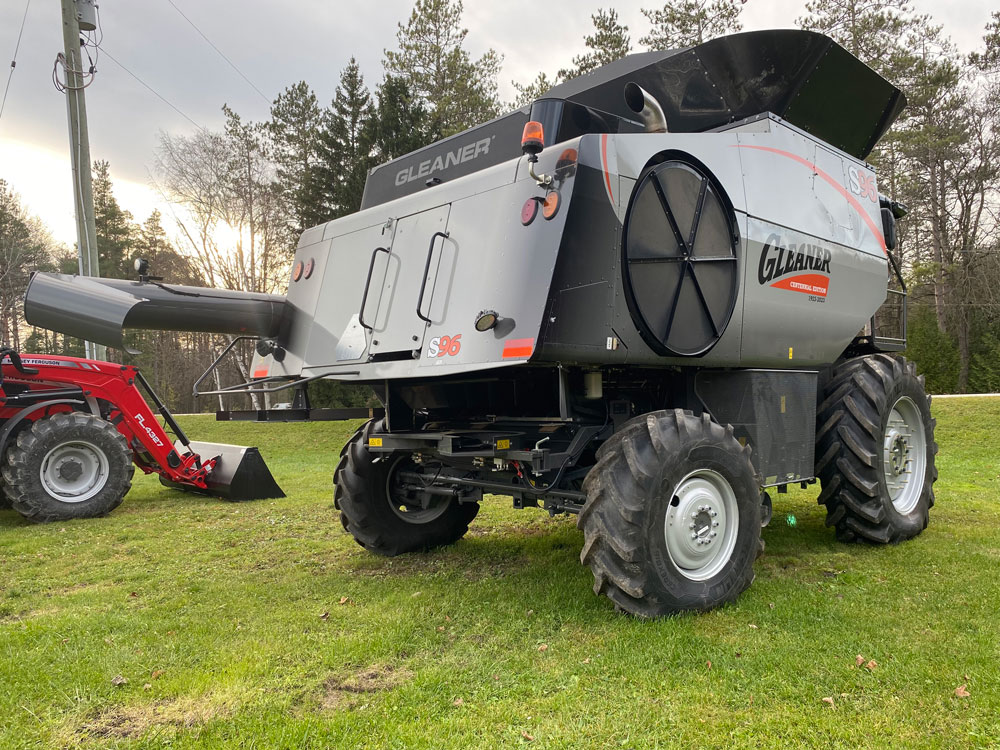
(157, 94)
(221, 54)
(13, 62)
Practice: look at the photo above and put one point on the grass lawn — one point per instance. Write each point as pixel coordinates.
(264, 625)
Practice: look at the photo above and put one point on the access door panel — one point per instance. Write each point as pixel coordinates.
(411, 272)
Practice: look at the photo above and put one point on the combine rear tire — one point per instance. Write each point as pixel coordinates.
(66, 466)
(381, 517)
(672, 519)
(875, 450)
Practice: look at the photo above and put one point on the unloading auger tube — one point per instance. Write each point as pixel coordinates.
(648, 299)
(100, 310)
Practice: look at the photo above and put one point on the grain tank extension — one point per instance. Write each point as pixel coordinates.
(670, 295)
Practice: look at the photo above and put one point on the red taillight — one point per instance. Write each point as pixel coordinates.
(297, 271)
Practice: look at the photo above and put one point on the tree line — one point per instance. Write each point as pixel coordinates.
(244, 193)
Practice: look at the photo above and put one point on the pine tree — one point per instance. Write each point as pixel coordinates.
(400, 124)
(685, 23)
(874, 31)
(345, 144)
(294, 130)
(457, 91)
(115, 227)
(609, 42)
(527, 93)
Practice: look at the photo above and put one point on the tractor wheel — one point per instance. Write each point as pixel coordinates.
(385, 518)
(875, 450)
(672, 518)
(68, 465)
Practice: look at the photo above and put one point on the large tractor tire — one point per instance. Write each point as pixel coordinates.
(66, 466)
(382, 517)
(673, 515)
(875, 450)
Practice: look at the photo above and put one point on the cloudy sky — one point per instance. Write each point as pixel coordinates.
(274, 45)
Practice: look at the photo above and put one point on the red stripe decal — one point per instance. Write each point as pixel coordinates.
(835, 184)
(807, 283)
(604, 164)
(518, 348)
(260, 372)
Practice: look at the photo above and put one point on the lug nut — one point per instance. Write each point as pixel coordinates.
(715, 523)
(713, 513)
(694, 536)
(691, 525)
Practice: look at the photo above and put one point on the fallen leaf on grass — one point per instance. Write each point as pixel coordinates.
(771, 605)
(133, 595)
(829, 701)
(118, 680)
(528, 737)
(415, 594)
(871, 665)
(752, 626)
(708, 663)
(530, 613)
(440, 628)
(147, 686)
(544, 647)
(457, 702)
(961, 692)
(859, 660)
(587, 660)
(966, 678)
(447, 618)
(156, 674)
(324, 616)
(344, 600)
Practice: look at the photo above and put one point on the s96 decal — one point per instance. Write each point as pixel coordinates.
(444, 346)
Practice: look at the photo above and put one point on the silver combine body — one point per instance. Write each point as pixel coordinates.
(670, 296)
(810, 265)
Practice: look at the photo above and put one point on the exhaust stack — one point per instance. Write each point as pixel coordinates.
(646, 106)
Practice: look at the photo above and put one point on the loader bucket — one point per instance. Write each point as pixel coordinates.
(239, 475)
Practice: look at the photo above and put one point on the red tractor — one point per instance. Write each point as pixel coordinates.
(72, 431)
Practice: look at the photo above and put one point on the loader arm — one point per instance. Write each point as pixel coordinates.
(110, 390)
(33, 386)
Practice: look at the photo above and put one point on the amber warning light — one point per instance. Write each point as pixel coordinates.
(533, 138)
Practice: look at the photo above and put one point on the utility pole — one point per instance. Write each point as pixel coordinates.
(79, 147)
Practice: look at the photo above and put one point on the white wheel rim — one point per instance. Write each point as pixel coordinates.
(74, 471)
(701, 525)
(904, 455)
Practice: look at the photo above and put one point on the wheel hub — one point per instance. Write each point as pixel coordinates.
(70, 469)
(413, 504)
(899, 453)
(74, 471)
(701, 525)
(904, 455)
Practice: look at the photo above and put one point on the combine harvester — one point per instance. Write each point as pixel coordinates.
(669, 296)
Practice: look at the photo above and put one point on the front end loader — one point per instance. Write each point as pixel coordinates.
(73, 430)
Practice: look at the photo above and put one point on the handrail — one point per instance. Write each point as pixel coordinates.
(368, 281)
(427, 268)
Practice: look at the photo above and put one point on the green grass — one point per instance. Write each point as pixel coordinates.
(236, 611)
